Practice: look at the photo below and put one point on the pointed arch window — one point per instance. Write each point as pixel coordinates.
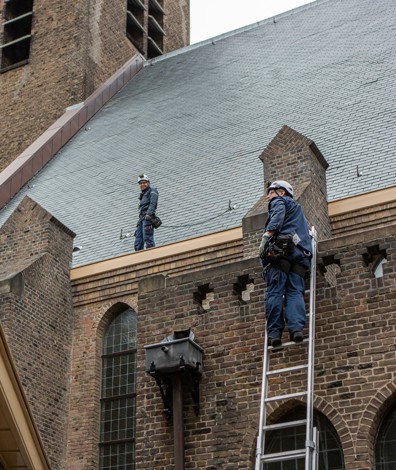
(385, 449)
(118, 397)
(330, 450)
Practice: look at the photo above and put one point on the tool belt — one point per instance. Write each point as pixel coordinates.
(280, 245)
(155, 220)
(279, 253)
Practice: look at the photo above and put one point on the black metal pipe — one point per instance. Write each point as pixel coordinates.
(178, 423)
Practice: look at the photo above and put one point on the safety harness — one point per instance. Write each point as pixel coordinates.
(279, 250)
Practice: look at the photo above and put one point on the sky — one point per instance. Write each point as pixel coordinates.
(209, 18)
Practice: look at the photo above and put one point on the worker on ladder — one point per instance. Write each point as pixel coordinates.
(285, 250)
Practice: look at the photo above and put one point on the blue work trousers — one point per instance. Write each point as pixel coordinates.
(144, 235)
(284, 297)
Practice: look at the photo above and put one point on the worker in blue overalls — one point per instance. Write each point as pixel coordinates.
(285, 250)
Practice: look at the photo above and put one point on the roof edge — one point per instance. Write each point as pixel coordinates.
(242, 29)
(33, 159)
(156, 253)
(362, 201)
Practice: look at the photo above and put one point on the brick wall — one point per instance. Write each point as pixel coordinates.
(354, 367)
(367, 218)
(36, 317)
(85, 383)
(35, 95)
(97, 299)
(292, 157)
(228, 325)
(76, 46)
(176, 24)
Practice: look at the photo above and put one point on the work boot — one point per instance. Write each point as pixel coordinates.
(297, 336)
(275, 342)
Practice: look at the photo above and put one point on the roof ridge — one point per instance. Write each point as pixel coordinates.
(234, 32)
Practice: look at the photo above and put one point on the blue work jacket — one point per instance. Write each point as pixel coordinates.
(148, 201)
(286, 217)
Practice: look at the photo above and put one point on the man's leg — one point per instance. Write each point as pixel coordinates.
(139, 243)
(273, 301)
(148, 234)
(294, 296)
(294, 303)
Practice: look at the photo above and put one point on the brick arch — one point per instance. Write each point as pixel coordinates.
(86, 381)
(108, 314)
(249, 441)
(331, 413)
(372, 416)
(340, 425)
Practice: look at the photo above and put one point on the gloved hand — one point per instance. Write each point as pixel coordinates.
(263, 245)
(147, 217)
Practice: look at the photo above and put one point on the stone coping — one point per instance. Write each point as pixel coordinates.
(33, 159)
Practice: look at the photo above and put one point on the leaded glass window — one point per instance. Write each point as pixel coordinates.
(330, 451)
(118, 399)
(385, 446)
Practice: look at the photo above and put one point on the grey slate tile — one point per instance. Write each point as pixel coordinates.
(197, 120)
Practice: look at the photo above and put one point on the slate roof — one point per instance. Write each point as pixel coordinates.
(197, 120)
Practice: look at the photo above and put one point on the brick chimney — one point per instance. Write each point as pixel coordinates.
(292, 157)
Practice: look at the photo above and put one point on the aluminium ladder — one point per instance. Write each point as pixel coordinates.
(310, 451)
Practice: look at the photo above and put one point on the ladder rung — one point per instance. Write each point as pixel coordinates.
(287, 369)
(281, 456)
(289, 424)
(289, 343)
(285, 397)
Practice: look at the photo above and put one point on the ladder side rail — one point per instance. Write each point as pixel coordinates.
(311, 358)
(315, 460)
(262, 421)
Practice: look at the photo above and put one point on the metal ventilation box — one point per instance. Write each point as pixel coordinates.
(174, 354)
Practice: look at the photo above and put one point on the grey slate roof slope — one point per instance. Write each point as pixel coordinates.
(196, 122)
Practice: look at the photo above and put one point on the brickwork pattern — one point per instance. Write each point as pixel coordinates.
(230, 331)
(176, 24)
(85, 384)
(354, 368)
(38, 320)
(97, 299)
(124, 281)
(292, 157)
(364, 219)
(76, 46)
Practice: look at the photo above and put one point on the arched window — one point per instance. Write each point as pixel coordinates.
(118, 397)
(385, 450)
(330, 451)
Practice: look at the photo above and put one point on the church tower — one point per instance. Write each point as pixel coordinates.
(55, 53)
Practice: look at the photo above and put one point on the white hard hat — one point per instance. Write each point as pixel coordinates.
(143, 178)
(280, 184)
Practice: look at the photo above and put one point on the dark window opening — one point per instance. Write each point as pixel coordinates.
(330, 450)
(385, 450)
(243, 288)
(15, 8)
(156, 33)
(118, 397)
(135, 23)
(16, 37)
(203, 297)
